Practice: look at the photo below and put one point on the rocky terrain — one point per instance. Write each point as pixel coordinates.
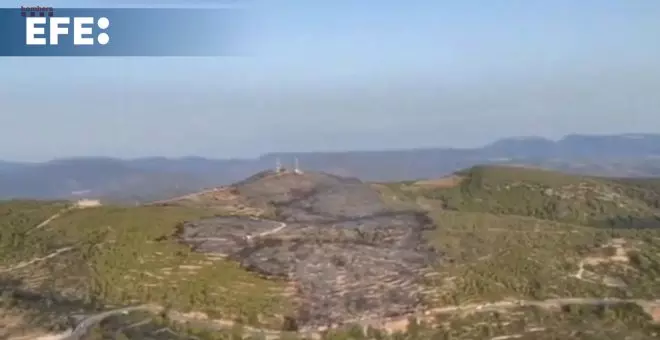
(348, 255)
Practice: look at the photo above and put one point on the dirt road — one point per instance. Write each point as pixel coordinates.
(35, 260)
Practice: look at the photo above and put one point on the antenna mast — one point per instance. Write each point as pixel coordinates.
(278, 165)
(297, 168)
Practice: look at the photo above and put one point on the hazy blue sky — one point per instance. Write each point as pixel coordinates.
(340, 74)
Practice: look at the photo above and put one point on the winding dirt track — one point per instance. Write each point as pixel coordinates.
(35, 260)
(186, 196)
(47, 221)
(280, 227)
(269, 232)
(83, 327)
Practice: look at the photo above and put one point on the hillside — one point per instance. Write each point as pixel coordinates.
(478, 255)
(347, 253)
(525, 191)
(151, 178)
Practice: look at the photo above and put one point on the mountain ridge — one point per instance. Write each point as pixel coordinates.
(150, 178)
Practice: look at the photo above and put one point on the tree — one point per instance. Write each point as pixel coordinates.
(290, 324)
(413, 329)
(356, 332)
(121, 336)
(237, 331)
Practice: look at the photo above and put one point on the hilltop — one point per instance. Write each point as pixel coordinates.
(479, 254)
(347, 253)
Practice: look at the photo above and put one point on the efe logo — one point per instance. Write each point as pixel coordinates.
(82, 29)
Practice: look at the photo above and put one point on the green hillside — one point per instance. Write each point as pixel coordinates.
(123, 255)
(495, 256)
(547, 195)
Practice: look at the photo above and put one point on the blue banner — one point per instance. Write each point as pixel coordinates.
(45, 31)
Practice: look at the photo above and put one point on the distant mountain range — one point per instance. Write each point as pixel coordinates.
(137, 180)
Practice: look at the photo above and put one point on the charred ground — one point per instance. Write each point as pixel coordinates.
(347, 254)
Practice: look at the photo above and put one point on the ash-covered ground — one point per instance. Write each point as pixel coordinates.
(349, 255)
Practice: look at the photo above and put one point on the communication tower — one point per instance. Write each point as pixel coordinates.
(278, 166)
(296, 168)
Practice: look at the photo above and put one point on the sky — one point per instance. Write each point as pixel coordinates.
(348, 75)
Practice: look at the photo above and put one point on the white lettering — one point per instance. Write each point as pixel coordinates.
(79, 30)
(56, 30)
(31, 31)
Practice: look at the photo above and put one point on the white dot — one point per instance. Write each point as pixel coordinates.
(103, 38)
(103, 23)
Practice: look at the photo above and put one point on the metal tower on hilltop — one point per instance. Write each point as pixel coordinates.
(296, 168)
(278, 166)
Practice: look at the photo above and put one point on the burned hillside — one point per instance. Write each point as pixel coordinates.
(347, 254)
